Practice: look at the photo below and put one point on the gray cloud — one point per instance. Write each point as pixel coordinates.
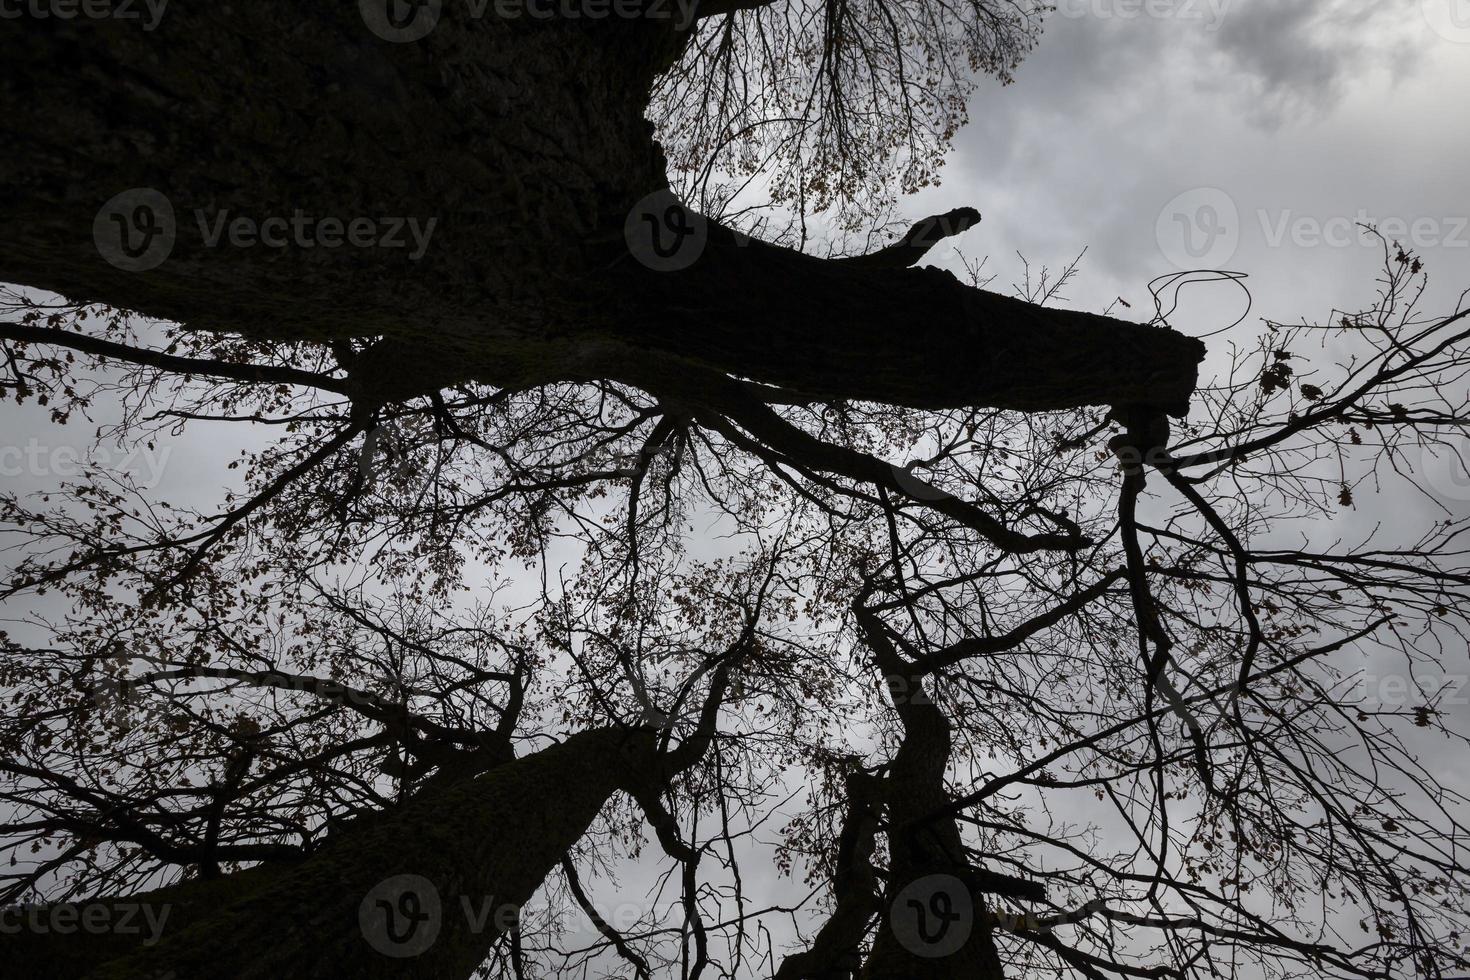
(1288, 58)
(1294, 110)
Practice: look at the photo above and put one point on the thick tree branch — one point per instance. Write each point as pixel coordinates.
(496, 835)
(835, 952)
(917, 241)
(520, 282)
(717, 8)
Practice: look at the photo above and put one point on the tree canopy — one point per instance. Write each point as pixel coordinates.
(571, 549)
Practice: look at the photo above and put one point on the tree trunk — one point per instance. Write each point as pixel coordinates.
(836, 950)
(525, 142)
(936, 924)
(474, 854)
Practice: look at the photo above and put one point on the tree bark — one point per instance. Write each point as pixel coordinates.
(525, 142)
(483, 847)
(936, 924)
(836, 950)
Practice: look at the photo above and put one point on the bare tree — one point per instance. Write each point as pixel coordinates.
(455, 641)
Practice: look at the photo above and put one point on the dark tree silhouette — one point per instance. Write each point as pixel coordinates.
(455, 639)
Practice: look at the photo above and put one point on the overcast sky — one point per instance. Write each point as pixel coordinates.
(1246, 135)
(1243, 135)
(1243, 124)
